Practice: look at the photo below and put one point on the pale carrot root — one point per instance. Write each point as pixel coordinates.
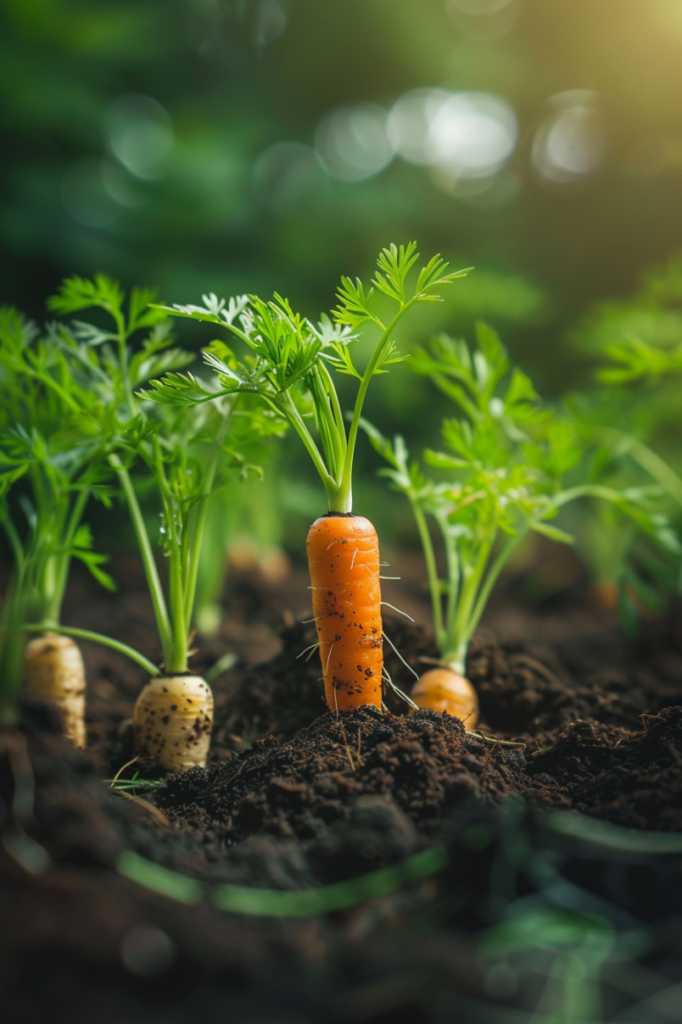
(172, 722)
(343, 557)
(443, 689)
(54, 670)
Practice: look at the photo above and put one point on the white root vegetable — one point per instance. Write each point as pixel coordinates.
(443, 689)
(53, 670)
(172, 722)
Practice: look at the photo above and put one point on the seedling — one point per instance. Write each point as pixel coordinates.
(622, 420)
(53, 467)
(289, 367)
(505, 465)
(186, 452)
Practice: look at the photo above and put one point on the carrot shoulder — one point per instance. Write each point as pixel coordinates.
(343, 557)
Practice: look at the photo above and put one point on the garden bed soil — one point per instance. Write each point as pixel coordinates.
(574, 716)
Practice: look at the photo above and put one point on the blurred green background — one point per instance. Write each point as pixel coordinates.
(233, 145)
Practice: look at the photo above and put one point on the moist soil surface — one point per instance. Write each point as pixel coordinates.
(574, 716)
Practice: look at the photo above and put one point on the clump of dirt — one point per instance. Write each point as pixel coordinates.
(424, 764)
(630, 778)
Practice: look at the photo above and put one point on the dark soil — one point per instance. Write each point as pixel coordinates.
(574, 716)
(356, 791)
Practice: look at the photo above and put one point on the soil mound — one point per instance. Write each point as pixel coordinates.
(423, 764)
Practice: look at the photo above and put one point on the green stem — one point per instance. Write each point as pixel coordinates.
(454, 574)
(459, 634)
(63, 560)
(491, 579)
(343, 500)
(587, 491)
(176, 661)
(657, 468)
(325, 423)
(175, 657)
(431, 568)
(337, 427)
(202, 511)
(50, 383)
(151, 572)
(97, 638)
(15, 543)
(288, 409)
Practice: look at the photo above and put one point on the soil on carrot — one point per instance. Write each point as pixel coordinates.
(574, 716)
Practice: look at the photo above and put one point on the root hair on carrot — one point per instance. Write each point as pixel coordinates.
(398, 610)
(309, 651)
(399, 655)
(396, 689)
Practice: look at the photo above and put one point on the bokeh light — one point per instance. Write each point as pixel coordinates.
(473, 134)
(460, 135)
(139, 132)
(353, 143)
(478, 7)
(571, 144)
(271, 21)
(409, 123)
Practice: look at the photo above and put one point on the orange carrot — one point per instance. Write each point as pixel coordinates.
(343, 557)
(443, 689)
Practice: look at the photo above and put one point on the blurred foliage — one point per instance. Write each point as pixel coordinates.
(185, 145)
(205, 202)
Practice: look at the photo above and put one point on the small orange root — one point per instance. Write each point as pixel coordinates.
(442, 689)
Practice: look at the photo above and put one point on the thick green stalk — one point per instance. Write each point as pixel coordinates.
(151, 572)
(343, 499)
(15, 543)
(333, 439)
(62, 561)
(454, 571)
(201, 513)
(288, 409)
(459, 633)
(175, 655)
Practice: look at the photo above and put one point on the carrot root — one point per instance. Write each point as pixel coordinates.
(172, 722)
(343, 558)
(443, 689)
(53, 670)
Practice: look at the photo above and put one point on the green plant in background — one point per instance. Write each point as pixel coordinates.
(246, 534)
(627, 421)
(184, 453)
(72, 427)
(12, 617)
(53, 446)
(507, 464)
